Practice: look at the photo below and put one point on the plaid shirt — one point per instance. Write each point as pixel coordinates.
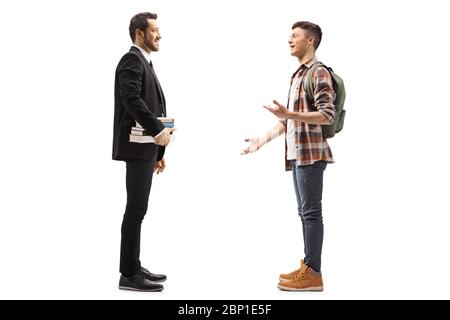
(310, 144)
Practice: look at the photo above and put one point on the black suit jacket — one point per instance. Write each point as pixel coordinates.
(137, 97)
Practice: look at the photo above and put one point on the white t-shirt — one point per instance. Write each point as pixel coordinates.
(291, 130)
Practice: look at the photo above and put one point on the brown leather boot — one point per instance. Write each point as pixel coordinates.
(306, 280)
(290, 276)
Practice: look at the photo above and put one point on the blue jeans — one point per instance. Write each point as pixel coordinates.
(308, 183)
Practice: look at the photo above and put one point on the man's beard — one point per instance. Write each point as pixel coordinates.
(148, 44)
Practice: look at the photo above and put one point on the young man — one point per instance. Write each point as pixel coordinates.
(307, 150)
(138, 97)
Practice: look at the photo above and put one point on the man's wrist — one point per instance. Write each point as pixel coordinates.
(292, 115)
(159, 134)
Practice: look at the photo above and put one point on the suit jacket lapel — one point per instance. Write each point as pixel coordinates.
(158, 85)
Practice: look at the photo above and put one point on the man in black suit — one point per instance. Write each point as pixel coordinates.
(139, 97)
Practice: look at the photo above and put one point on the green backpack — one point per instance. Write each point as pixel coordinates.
(338, 85)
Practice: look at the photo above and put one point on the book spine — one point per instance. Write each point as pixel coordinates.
(138, 125)
(141, 139)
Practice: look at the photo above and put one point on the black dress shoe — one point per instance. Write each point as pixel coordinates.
(138, 283)
(151, 276)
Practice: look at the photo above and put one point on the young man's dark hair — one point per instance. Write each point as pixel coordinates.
(312, 30)
(139, 22)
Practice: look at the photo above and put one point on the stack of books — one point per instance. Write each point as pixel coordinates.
(139, 135)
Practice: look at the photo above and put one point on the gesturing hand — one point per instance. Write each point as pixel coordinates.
(278, 110)
(254, 145)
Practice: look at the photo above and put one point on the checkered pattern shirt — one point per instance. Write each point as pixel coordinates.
(310, 144)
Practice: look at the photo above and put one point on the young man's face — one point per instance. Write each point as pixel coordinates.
(151, 36)
(299, 42)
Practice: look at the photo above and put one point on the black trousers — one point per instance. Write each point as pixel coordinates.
(139, 182)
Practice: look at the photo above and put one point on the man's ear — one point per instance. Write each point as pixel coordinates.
(139, 33)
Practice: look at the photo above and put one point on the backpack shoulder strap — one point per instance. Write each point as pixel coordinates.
(309, 83)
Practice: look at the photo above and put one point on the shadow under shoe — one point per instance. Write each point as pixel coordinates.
(138, 283)
(152, 276)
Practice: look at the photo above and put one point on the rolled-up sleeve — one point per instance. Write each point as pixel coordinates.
(324, 94)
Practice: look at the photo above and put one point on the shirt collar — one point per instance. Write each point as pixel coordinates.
(144, 53)
(302, 67)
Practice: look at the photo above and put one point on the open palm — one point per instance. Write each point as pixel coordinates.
(254, 145)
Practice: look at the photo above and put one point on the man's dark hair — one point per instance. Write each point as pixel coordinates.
(139, 21)
(311, 30)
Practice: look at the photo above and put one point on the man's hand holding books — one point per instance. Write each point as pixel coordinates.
(163, 138)
(140, 135)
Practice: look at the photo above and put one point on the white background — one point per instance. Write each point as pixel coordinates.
(220, 225)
